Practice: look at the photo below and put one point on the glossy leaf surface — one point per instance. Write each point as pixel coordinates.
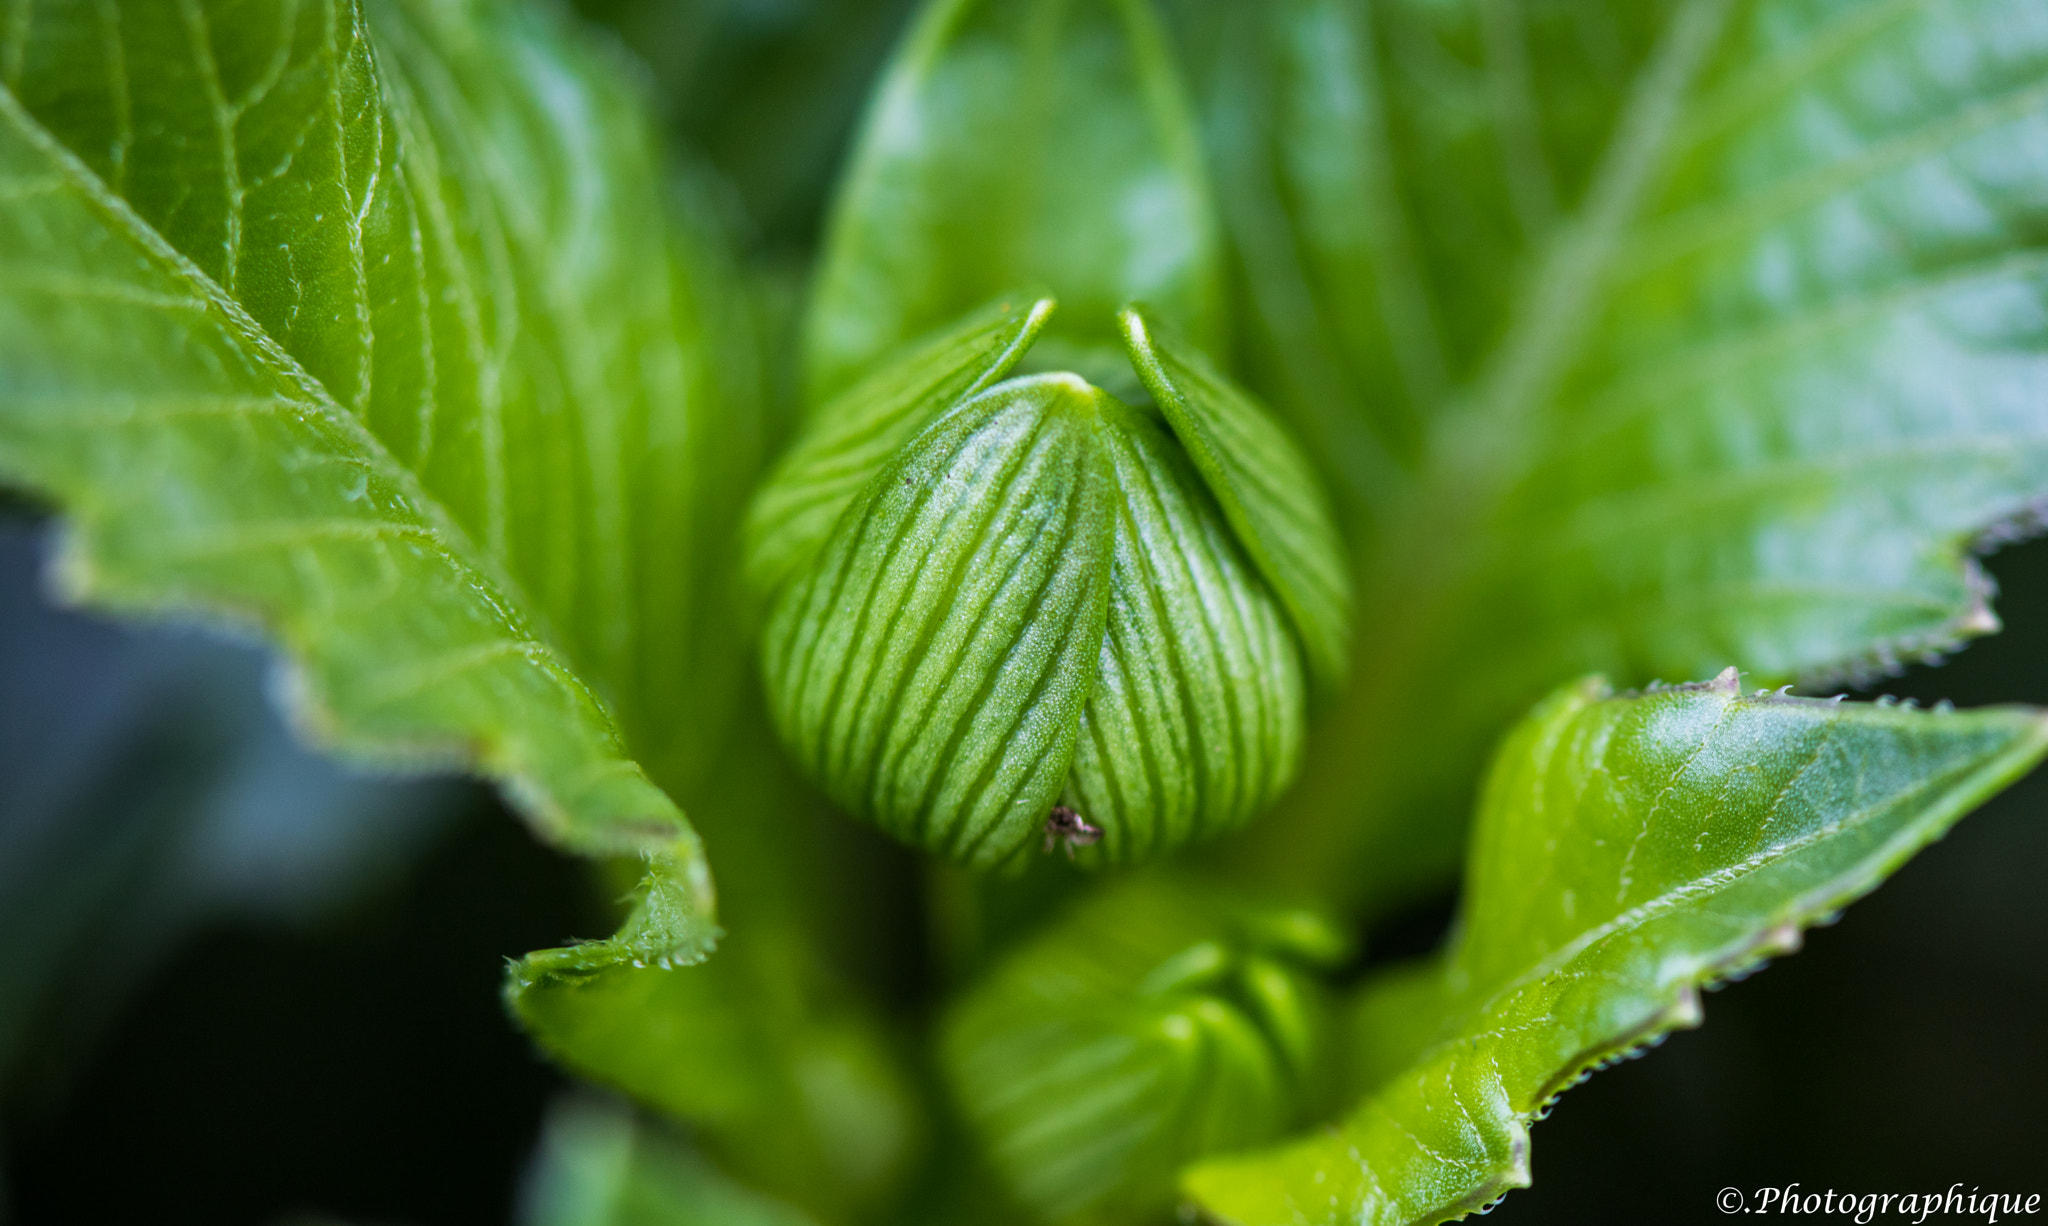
(1675, 333)
(1037, 143)
(1634, 336)
(1161, 1021)
(1628, 850)
(374, 328)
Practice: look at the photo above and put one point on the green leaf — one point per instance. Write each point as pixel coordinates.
(1262, 482)
(930, 668)
(790, 1087)
(1043, 142)
(1343, 331)
(1742, 354)
(598, 1166)
(768, 95)
(1162, 1020)
(1628, 850)
(853, 436)
(375, 328)
(775, 1052)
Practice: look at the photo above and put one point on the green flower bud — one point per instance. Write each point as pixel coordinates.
(1012, 613)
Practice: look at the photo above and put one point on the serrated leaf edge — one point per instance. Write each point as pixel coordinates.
(1678, 1004)
(76, 580)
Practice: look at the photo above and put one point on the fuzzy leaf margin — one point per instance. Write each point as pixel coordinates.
(301, 328)
(1717, 352)
(1629, 850)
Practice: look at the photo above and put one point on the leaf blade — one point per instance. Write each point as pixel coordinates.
(1195, 719)
(930, 668)
(1535, 993)
(1764, 390)
(1132, 1035)
(1018, 145)
(249, 449)
(857, 432)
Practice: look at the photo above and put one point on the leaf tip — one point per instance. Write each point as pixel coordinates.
(1041, 310)
(1685, 1012)
(1979, 619)
(1131, 318)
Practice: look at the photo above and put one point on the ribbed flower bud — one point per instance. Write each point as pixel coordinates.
(1015, 613)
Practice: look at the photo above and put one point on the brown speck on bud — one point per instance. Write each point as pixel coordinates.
(1069, 829)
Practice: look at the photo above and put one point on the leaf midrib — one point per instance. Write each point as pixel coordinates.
(1552, 318)
(1962, 787)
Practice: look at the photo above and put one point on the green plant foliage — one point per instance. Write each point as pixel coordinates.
(1627, 850)
(1161, 1021)
(1194, 724)
(1260, 480)
(538, 468)
(1045, 142)
(1628, 337)
(375, 329)
(775, 1052)
(978, 558)
(791, 1092)
(601, 1167)
(983, 602)
(1668, 334)
(766, 90)
(852, 437)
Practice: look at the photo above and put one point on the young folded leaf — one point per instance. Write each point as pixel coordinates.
(1628, 850)
(1160, 1022)
(1029, 596)
(1041, 142)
